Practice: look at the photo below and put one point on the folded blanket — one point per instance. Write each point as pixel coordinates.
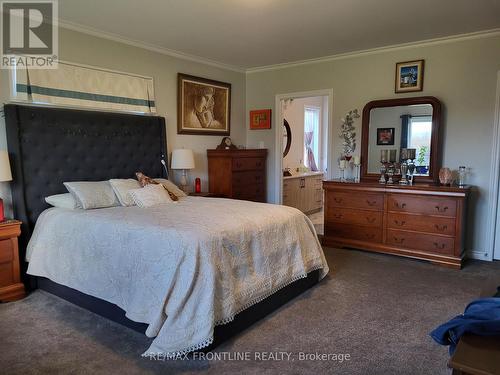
(481, 317)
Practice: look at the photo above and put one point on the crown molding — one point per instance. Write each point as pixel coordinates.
(150, 47)
(372, 51)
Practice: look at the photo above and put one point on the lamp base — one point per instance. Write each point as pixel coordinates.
(184, 181)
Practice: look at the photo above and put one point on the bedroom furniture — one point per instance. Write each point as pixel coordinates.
(73, 145)
(11, 287)
(183, 159)
(304, 191)
(205, 194)
(423, 113)
(423, 221)
(5, 175)
(238, 174)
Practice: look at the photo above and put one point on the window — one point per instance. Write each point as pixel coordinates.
(419, 136)
(312, 144)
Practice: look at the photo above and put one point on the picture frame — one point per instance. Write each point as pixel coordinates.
(409, 76)
(385, 136)
(203, 106)
(260, 119)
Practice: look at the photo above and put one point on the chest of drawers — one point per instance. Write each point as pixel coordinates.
(238, 174)
(421, 221)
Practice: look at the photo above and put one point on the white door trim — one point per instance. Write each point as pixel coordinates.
(278, 151)
(494, 177)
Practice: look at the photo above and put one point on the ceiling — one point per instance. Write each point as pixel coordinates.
(254, 33)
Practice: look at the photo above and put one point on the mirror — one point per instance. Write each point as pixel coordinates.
(395, 124)
(287, 137)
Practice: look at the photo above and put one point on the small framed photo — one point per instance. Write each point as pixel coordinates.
(260, 119)
(385, 136)
(409, 76)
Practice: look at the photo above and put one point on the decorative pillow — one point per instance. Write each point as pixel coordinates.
(65, 200)
(90, 194)
(121, 187)
(150, 195)
(145, 180)
(171, 187)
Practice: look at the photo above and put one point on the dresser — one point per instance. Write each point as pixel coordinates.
(421, 221)
(11, 287)
(238, 174)
(304, 191)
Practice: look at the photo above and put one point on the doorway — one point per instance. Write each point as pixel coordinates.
(303, 151)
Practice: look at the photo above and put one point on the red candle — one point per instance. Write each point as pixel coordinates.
(197, 185)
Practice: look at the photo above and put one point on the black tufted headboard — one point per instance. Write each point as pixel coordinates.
(48, 146)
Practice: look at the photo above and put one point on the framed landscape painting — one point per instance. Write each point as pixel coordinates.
(203, 106)
(409, 76)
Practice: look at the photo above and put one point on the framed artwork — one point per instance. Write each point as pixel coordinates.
(203, 106)
(409, 76)
(260, 119)
(385, 136)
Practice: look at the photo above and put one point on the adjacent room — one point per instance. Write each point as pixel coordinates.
(251, 186)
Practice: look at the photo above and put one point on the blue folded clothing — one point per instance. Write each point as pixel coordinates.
(481, 317)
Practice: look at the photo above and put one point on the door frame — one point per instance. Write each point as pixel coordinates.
(491, 240)
(278, 148)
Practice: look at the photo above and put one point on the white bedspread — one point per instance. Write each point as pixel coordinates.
(182, 268)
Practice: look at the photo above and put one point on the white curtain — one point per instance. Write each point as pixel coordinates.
(75, 85)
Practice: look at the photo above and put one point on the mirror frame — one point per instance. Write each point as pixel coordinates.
(436, 147)
(288, 131)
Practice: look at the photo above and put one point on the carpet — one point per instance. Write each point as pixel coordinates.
(378, 309)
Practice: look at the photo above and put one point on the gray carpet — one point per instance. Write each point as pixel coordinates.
(376, 308)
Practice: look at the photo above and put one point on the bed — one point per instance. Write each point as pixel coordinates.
(186, 273)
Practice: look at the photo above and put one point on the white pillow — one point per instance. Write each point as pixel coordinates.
(90, 194)
(150, 195)
(65, 200)
(171, 187)
(121, 187)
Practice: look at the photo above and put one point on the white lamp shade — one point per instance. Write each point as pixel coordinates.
(5, 173)
(182, 159)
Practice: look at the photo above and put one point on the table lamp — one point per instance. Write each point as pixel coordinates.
(183, 159)
(5, 175)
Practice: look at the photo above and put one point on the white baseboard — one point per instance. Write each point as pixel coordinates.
(479, 255)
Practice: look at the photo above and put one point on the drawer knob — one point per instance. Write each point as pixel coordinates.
(399, 240)
(399, 223)
(371, 203)
(371, 219)
(441, 228)
(338, 216)
(400, 205)
(338, 200)
(439, 246)
(441, 209)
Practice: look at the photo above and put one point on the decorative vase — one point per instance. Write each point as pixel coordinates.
(445, 176)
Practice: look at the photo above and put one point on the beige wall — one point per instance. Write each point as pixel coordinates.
(462, 74)
(85, 49)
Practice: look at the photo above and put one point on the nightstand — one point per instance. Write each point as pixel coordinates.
(11, 288)
(206, 194)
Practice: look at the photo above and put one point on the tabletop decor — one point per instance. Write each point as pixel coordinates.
(348, 134)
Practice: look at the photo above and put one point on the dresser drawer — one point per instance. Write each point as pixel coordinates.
(248, 192)
(421, 241)
(6, 254)
(357, 217)
(248, 164)
(356, 200)
(248, 178)
(6, 274)
(354, 232)
(422, 205)
(420, 223)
